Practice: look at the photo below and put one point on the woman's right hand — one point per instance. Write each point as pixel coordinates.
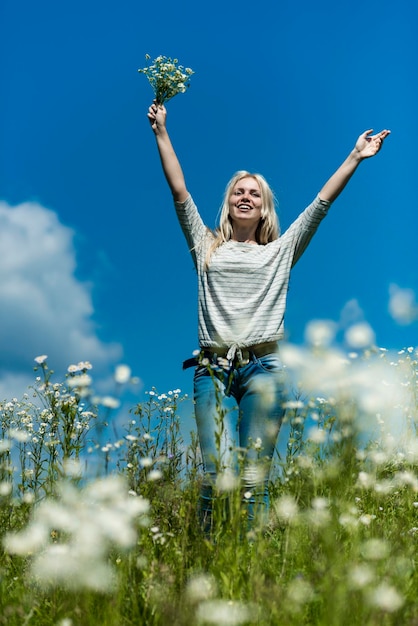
(157, 115)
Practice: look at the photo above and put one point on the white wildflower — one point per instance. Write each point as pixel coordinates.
(223, 613)
(299, 592)
(90, 520)
(366, 519)
(73, 467)
(304, 461)
(360, 576)
(41, 359)
(5, 445)
(319, 514)
(320, 333)
(319, 504)
(317, 435)
(201, 587)
(122, 374)
(60, 564)
(365, 480)
(5, 488)
(360, 336)
(286, 508)
(348, 520)
(386, 598)
(32, 539)
(384, 486)
(109, 402)
(154, 475)
(375, 549)
(166, 77)
(80, 381)
(378, 457)
(18, 435)
(227, 481)
(407, 478)
(293, 404)
(146, 462)
(80, 367)
(402, 305)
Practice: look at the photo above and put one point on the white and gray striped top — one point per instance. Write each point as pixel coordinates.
(242, 296)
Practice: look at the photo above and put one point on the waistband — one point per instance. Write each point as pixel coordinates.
(233, 356)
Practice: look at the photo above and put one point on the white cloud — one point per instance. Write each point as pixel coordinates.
(44, 308)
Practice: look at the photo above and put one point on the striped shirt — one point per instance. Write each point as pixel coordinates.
(242, 296)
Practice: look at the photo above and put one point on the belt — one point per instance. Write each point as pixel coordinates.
(233, 356)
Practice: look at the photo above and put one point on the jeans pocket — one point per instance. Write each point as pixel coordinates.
(270, 363)
(208, 371)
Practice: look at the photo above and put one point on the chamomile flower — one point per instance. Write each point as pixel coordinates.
(166, 77)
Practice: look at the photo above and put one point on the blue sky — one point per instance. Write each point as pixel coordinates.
(94, 266)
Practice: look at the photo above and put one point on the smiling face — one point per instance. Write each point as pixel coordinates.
(245, 202)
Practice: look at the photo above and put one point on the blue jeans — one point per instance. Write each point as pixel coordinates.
(248, 431)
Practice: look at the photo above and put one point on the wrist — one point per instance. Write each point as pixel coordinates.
(160, 132)
(355, 156)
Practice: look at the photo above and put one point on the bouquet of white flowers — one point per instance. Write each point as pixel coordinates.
(167, 77)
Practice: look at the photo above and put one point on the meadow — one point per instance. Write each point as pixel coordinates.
(102, 530)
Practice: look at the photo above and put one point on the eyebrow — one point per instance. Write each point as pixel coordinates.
(250, 189)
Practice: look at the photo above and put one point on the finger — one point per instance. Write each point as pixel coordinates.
(382, 134)
(366, 135)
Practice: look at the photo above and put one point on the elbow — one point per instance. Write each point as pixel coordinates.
(180, 194)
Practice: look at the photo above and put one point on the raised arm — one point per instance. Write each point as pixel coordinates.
(367, 145)
(157, 115)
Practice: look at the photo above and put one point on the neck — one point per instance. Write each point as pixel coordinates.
(244, 235)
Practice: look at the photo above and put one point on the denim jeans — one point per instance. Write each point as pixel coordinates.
(248, 430)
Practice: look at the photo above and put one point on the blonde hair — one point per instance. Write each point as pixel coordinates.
(268, 228)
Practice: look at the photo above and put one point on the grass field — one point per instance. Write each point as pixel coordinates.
(96, 531)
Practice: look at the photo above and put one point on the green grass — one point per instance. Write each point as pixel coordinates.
(108, 534)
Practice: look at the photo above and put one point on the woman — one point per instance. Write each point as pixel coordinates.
(243, 276)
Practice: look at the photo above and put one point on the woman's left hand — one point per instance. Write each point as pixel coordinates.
(368, 145)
